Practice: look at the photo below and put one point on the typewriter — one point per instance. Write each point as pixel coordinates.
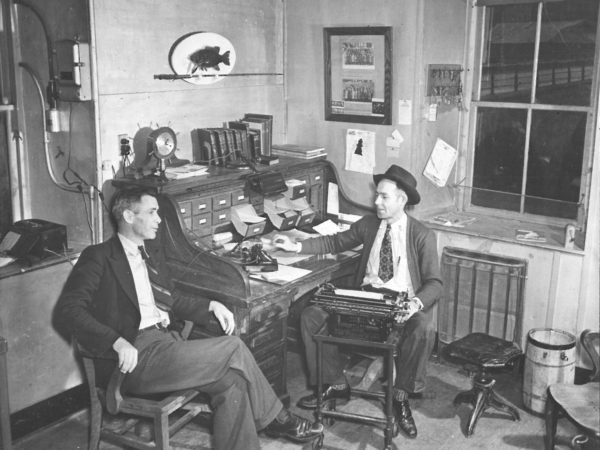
(361, 314)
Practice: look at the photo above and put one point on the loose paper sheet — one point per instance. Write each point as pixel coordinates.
(360, 151)
(441, 161)
(284, 274)
(333, 200)
(404, 112)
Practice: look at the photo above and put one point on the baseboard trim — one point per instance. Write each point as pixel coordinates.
(49, 411)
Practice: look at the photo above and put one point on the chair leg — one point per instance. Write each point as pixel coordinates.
(551, 418)
(161, 431)
(478, 409)
(500, 404)
(95, 422)
(481, 397)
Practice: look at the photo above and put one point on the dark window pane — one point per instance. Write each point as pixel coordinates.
(555, 161)
(498, 165)
(566, 57)
(508, 53)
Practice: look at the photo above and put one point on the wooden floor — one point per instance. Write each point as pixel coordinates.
(440, 424)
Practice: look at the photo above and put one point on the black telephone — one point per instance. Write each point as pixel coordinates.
(17, 245)
(34, 237)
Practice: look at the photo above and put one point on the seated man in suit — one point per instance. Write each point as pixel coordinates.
(108, 304)
(399, 253)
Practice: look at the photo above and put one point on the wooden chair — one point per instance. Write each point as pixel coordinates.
(579, 402)
(130, 432)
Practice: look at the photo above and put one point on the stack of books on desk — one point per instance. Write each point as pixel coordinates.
(298, 151)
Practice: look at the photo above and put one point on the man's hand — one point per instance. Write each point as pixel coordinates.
(128, 355)
(223, 315)
(285, 243)
(412, 307)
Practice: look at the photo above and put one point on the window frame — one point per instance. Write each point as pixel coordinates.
(465, 170)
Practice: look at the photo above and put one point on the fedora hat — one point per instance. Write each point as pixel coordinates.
(403, 179)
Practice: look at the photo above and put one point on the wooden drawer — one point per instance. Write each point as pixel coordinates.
(201, 205)
(239, 197)
(269, 334)
(221, 201)
(272, 362)
(316, 178)
(221, 217)
(202, 224)
(185, 208)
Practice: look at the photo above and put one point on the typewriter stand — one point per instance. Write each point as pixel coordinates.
(389, 348)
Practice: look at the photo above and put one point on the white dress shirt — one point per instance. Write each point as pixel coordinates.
(401, 281)
(149, 312)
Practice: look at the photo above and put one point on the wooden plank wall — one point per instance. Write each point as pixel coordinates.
(133, 40)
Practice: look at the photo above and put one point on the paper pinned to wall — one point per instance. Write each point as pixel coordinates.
(404, 112)
(360, 151)
(440, 163)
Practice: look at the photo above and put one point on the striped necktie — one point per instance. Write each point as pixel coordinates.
(161, 293)
(143, 252)
(386, 259)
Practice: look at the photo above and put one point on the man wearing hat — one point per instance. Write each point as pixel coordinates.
(399, 253)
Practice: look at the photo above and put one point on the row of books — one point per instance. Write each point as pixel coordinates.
(298, 151)
(246, 139)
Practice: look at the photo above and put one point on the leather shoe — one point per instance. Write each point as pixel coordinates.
(294, 428)
(405, 419)
(328, 393)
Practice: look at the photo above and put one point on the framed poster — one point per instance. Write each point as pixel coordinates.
(358, 74)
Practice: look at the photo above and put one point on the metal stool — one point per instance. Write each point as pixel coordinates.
(389, 347)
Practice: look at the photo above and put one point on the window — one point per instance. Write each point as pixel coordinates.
(533, 106)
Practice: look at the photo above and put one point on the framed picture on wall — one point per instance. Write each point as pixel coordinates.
(358, 74)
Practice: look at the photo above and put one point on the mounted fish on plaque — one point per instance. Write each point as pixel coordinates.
(201, 57)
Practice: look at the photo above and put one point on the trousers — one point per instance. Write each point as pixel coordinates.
(414, 348)
(222, 367)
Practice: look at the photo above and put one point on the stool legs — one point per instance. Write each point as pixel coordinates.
(481, 397)
(390, 426)
(390, 429)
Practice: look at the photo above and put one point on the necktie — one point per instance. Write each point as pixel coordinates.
(143, 252)
(161, 294)
(386, 259)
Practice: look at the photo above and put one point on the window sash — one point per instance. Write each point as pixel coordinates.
(478, 30)
(510, 2)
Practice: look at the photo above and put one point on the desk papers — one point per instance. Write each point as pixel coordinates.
(284, 274)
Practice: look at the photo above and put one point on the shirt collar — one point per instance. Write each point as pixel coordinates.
(399, 224)
(130, 247)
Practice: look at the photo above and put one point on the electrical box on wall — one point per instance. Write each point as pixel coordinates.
(74, 79)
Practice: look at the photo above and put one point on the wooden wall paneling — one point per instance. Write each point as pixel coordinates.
(545, 301)
(41, 363)
(134, 39)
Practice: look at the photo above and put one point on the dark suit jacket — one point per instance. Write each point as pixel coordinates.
(421, 247)
(98, 303)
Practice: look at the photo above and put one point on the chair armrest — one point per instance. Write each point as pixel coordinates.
(187, 329)
(113, 396)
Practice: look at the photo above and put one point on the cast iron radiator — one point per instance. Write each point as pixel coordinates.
(482, 292)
